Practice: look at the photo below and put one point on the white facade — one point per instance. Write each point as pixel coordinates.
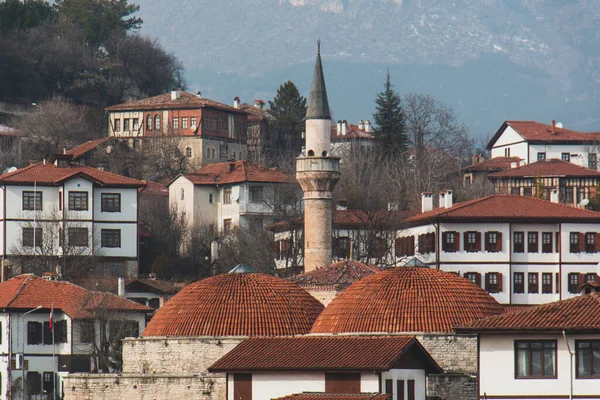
(497, 364)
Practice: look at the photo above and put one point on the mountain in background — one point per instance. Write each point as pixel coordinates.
(491, 60)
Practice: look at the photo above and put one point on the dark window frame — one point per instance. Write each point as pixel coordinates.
(78, 201)
(78, 237)
(546, 282)
(110, 238)
(532, 242)
(110, 202)
(533, 283)
(518, 242)
(32, 200)
(518, 287)
(541, 155)
(547, 242)
(565, 157)
(552, 346)
(594, 348)
(28, 234)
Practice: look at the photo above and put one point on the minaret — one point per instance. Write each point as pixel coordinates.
(317, 172)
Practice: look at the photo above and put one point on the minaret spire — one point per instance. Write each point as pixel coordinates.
(318, 106)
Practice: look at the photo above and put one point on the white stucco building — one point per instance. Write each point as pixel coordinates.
(34, 358)
(522, 250)
(53, 213)
(548, 351)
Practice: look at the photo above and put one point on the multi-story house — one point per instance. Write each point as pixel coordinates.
(522, 250)
(205, 130)
(347, 138)
(574, 182)
(51, 328)
(68, 218)
(533, 141)
(230, 194)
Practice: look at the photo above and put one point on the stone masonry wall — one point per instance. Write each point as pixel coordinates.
(452, 387)
(317, 238)
(454, 353)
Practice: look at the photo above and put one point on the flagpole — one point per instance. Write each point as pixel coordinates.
(53, 353)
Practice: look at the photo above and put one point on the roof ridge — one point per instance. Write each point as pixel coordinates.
(21, 287)
(106, 172)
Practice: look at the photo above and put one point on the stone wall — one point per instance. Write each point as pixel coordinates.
(451, 387)
(454, 353)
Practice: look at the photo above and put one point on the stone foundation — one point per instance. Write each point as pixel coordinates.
(452, 387)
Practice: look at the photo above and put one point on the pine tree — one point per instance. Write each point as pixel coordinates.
(288, 108)
(390, 130)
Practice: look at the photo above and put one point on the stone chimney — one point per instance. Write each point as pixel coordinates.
(426, 201)
(121, 287)
(553, 128)
(236, 102)
(449, 199)
(442, 200)
(260, 104)
(175, 94)
(368, 126)
(361, 125)
(339, 127)
(344, 127)
(554, 195)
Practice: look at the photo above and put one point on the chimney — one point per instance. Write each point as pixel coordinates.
(339, 127)
(554, 195)
(513, 165)
(199, 94)
(368, 126)
(449, 199)
(361, 125)
(175, 94)
(260, 104)
(214, 251)
(552, 131)
(426, 201)
(344, 127)
(442, 200)
(121, 287)
(236, 102)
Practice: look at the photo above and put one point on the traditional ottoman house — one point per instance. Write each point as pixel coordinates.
(478, 172)
(195, 328)
(265, 368)
(550, 351)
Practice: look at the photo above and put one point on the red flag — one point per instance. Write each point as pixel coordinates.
(51, 315)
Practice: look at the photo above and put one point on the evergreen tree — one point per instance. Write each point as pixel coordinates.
(18, 14)
(288, 109)
(390, 130)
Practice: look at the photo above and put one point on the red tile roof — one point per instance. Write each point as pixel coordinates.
(335, 396)
(406, 300)
(50, 174)
(353, 132)
(533, 132)
(506, 208)
(547, 168)
(155, 188)
(237, 172)
(86, 147)
(236, 305)
(331, 353)
(494, 164)
(581, 313)
(336, 276)
(255, 113)
(163, 101)
(30, 291)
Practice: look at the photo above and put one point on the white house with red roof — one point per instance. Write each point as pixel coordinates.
(522, 250)
(346, 137)
(551, 351)
(55, 213)
(228, 194)
(37, 354)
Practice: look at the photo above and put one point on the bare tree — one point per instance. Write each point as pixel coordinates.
(163, 158)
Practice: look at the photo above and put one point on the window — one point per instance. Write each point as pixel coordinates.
(410, 389)
(78, 237)
(126, 124)
(472, 241)
(590, 242)
(532, 283)
(123, 328)
(210, 198)
(60, 331)
(541, 156)
(569, 195)
(580, 194)
(493, 282)
(182, 194)
(32, 200)
(29, 239)
(136, 124)
(518, 282)
(256, 194)
(532, 242)
(575, 282)
(34, 382)
(149, 123)
(184, 123)
(400, 389)
(547, 282)
(507, 152)
(34, 332)
(118, 125)
(48, 383)
(590, 277)
(535, 359)
(493, 241)
(175, 123)
(110, 237)
(575, 242)
(427, 243)
(527, 192)
(557, 283)
(405, 246)
(592, 161)
(587, 353)
(157, 122)
(227, 226)
(565, 156)
(450, 242)
(515, 191)
(213, 153)
(188, 152)
(341, 247)
(193, 122)
(518, 242)
(227, 196)
(60, 201)
(377, 247)
(546, 242)
(88, 331)
(110, 202)
(474, 277)
(78, 201)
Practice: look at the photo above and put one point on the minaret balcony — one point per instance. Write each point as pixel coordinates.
(316, 164)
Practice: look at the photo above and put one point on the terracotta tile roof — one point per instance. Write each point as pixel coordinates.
(547, 168)
(163, 101)
(533, 131)
(50, 174)
(507, 208)
(255, 113)
(236, 305)
(86, 147)
(155, 188)
(159, 286)
(406, 299)
(8, 131)
(516, 307)
(352, 133)
(336, 276)
(335, 396)
(30, 291)
(581, 313)
(494, 164)
(331, 353)
(237, 172)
